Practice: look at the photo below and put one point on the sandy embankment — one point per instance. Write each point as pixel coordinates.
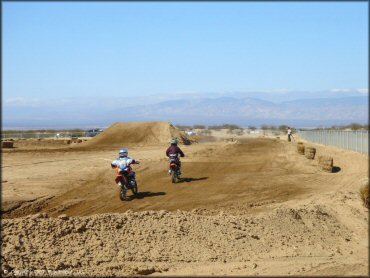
(253, 207)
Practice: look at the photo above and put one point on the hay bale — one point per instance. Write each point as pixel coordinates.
(310, 152)
(7, 144)
(364, 193)
(68, 142)
(300, 148)
(326, 163)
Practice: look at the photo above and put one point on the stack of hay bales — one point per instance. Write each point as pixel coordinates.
(300, 148)
(310, 152)
(326, 163)
(7, 144)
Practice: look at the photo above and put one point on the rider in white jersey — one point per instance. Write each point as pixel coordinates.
(123, 160)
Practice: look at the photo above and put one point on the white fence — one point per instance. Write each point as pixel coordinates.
(357, 141)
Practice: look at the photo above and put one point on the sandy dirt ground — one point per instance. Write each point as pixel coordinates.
(248, 206)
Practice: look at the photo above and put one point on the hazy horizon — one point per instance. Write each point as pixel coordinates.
(219, 109)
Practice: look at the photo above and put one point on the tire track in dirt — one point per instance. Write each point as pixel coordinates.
(253, 207)
(228, 175)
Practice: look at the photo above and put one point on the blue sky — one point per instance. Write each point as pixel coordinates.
(128, 49)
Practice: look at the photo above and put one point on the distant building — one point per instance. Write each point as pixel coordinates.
(190, 133)
(93, 132)
(254, 131)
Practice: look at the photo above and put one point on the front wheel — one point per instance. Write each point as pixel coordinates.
(122, 189)
(134, 189)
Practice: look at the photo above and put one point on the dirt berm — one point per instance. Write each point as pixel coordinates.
(249, 207)
(171, 243)
(133, 133)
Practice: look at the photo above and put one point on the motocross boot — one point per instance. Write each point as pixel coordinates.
(124, 191)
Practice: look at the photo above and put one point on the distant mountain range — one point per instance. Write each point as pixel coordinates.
(196, 109)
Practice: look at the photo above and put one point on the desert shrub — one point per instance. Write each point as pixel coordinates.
(231, 126)
(364, 193)
(223, 126)
(355, 126)
(183, 127)
(352, 126)
(239, 132)
(215, 127)
(204, 132)
(283, 127)
(199, 127)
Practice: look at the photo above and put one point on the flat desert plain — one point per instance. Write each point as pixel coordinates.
(248, 206)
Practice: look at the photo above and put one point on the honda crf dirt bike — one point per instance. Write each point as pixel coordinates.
(174, 168)
(126, 179)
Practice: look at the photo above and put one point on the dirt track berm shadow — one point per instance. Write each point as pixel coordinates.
(141, 195)
(191, 179)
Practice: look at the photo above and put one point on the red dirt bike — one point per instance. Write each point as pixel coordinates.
(126, 179)
(174, 168)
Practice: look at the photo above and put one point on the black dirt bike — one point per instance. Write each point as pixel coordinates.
(174, 168)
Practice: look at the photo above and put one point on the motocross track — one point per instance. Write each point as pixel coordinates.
(248, 207)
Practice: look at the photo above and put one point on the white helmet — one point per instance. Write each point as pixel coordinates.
(123, 153)
(174, 141)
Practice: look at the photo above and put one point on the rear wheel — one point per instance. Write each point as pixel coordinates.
(122, 189)
(122, 195)
(174, 176)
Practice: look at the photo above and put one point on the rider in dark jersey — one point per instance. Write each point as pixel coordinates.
(173, 152)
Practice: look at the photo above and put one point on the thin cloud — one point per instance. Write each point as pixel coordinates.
(340, 90)
(364, 91)
(35, 102)
(21, 102)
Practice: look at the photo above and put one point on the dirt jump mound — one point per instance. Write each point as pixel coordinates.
(138, 133)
